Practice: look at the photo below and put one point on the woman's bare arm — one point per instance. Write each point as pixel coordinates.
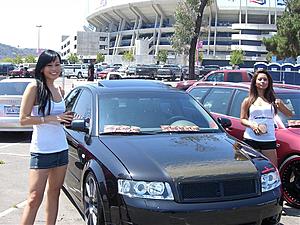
(282, 108)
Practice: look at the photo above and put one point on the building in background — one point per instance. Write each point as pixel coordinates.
(145, 27)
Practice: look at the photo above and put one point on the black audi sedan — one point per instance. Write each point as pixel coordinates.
(141, 152)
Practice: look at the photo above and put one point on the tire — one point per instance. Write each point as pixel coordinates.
(93, 208)
(272, 220)
(79, 75)
(290, 177)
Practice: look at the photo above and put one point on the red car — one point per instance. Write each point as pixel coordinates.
(102, 74)
(224, 100)
(17, 72)
(218, 76)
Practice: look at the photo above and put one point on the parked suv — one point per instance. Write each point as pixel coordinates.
(225, 99)
(146, 71)
(208, 68)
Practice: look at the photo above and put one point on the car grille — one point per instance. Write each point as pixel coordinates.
(218, 190)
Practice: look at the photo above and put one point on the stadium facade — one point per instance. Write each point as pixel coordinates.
(145, 26)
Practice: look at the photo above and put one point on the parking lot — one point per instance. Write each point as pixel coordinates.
(14, 163)
(14, 166)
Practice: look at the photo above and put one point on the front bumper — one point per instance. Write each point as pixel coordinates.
(254, 211)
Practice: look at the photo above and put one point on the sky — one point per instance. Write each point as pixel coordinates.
(19, 18)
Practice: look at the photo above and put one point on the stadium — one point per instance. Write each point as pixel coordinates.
(145, 26)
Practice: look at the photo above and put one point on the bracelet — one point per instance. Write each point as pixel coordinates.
(43, 119)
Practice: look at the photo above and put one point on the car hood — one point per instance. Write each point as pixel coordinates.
(294, 130)
(180, 156)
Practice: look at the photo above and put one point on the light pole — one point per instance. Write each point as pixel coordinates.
(38, 47)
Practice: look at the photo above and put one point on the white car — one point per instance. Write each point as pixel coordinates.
(11, 92)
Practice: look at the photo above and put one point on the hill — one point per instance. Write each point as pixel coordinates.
(11, 52)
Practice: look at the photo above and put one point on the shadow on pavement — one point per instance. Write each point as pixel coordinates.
(14, 137)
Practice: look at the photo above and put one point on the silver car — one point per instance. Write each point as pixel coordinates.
(11, 92)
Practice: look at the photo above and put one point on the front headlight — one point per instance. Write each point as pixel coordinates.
(270, 180)
(144, 189)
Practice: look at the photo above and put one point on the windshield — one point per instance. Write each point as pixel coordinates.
(12, 88)
(153, 112)
(292, 101)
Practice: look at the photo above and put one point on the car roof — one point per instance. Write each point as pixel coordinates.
(229, 70)
(21, 80)
(128, 85)
(278, 88)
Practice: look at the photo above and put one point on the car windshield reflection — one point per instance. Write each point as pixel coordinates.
(152, 112)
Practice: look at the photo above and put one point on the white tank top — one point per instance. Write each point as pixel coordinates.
(261, 115)
(49, 137)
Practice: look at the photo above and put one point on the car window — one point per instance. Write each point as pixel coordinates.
(292, 101)
(234, 77)
(12, 88)
(217, 77)
(71, 99)
(83, 107)
(198, 93)
(218, 100)
(235, 109)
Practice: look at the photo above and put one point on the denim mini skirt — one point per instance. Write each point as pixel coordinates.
(48, 160)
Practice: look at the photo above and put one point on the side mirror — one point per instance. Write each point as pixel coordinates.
(225, 123)
(79, 125)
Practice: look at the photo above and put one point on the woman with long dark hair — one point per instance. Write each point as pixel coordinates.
(257, 114)
(43, 107)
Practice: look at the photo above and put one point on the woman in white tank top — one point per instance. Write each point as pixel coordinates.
(43, 107)
(257, 114)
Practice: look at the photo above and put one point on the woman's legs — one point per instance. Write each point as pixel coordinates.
(55, 181)
(37, 184)
(271, 154)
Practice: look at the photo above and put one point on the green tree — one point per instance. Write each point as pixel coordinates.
(128, 56)
(200, 57)
(30, 59)
(162, 56)
(100, 58)
(188, 17)
(7, 59)
(236, 57)
(286, 43)
(18, 59)
(73, 58)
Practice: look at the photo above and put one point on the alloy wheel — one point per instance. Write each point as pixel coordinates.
(92, 207)
(290, 177)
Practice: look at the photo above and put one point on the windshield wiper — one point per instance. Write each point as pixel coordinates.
(185, 132)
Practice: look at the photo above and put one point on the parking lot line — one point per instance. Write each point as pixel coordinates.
(8, 145)
(14, 154)
(18, 206)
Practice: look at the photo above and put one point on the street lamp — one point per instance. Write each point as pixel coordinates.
(38, 47)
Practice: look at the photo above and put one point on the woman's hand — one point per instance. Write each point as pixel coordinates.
(255, 128)
(65, 117)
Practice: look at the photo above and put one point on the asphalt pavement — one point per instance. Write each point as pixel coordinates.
(14, 169)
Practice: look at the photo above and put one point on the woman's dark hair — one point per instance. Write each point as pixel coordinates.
(43, 92)
(269, 93)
